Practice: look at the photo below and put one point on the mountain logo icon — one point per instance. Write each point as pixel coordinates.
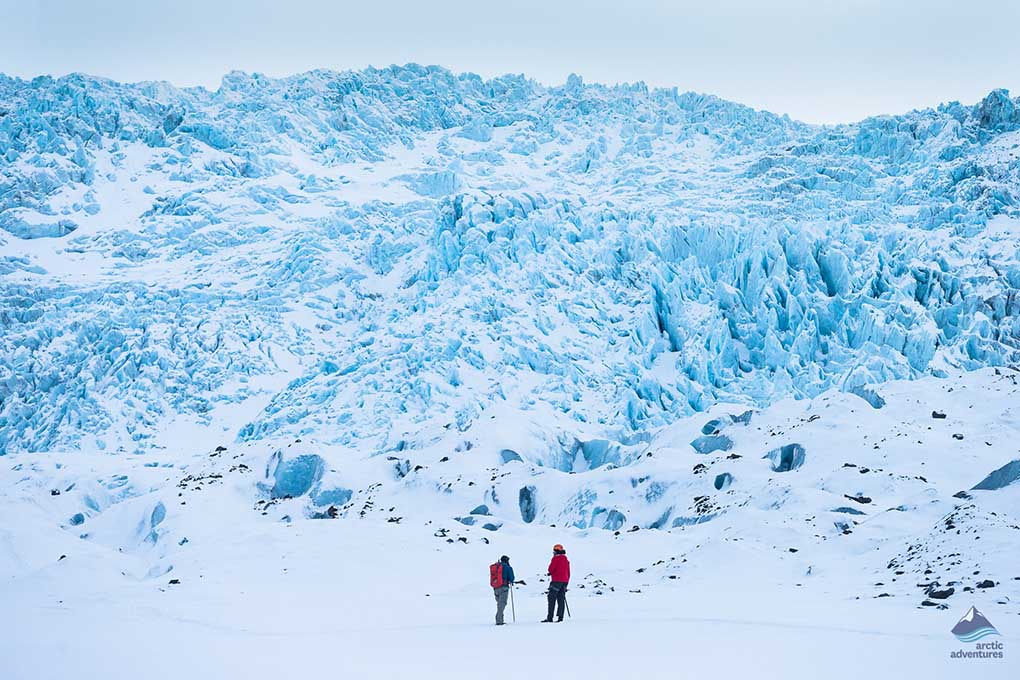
(973, 626)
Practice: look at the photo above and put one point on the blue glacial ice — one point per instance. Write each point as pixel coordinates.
(1003, 477)
(621, 256)
(297, 476)
(786, 458)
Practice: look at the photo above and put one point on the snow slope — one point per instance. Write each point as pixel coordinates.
(189, 562)
(294, 340)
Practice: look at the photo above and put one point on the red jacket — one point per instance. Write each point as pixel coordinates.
(559, 569)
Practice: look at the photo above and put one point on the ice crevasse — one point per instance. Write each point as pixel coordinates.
(374, 256)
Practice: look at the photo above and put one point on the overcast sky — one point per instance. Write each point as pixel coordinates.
(818, 60)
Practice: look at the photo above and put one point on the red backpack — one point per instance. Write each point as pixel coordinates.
(496, 575)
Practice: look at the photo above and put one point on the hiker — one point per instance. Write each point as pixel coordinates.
(501, 577)
(559, 573)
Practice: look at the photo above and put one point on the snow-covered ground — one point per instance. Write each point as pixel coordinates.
(821, 569)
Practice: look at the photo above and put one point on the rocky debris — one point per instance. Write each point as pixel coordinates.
(987, 583)
(938, 415)
(937, 605)
(957, 436)
(704, 505)
(863, 500)
(940, 594)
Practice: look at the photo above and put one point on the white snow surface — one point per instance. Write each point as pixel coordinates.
(775, 581)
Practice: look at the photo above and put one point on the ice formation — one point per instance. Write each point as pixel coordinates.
(369, 256)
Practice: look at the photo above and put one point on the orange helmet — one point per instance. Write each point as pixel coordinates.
(558, 548)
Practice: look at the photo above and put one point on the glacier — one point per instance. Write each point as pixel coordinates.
(269, 350)
(285, 365)
(375, 257)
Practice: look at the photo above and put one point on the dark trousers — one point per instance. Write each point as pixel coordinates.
(557, 598)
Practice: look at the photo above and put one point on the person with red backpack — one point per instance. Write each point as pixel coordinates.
(559, 575)
(501, 577)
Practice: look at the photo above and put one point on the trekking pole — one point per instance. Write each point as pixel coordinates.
(513, 612)
(566, 603)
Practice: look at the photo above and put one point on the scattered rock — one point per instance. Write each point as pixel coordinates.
(175, 581)
(938, 415)
(987, 583)
(938, 605)
(957, 436)
(943, 594)
(864, 500)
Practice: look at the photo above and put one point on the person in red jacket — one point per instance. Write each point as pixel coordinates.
(559, 573)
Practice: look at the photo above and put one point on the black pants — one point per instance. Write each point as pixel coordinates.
(558, 598)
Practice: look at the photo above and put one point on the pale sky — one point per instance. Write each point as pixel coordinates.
(817, 60)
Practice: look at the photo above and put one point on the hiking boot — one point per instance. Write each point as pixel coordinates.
(501, 623)
(547, 620)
